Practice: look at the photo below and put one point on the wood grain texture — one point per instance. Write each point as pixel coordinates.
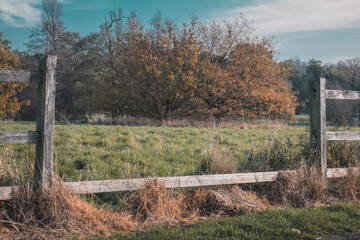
(342, 94)
(20, 76)
(341, 136)
(6, 193)
(341, 172)
(318, 123)
(176, 182)
(45, 122)
(171, 182)
(19, 137)
(322, 131)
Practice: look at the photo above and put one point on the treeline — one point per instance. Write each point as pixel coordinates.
(164, 69)
(343, 75)
(161, 69)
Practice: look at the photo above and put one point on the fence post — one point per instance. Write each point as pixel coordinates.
(45, 122)
(318, 125)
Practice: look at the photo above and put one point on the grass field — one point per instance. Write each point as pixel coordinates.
(269, 224)
(84, 151)
(95, 152)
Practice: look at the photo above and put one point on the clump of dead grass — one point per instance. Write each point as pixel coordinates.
(301, 188)
(56, 213)
(223, 201)
(346, 188)
(152, 204)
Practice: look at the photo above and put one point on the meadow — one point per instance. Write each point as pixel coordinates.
(95, 152)
(90, 151)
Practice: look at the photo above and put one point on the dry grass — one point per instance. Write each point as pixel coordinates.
(56, 213)
(346, 188)
(152, 204)
(105, 118)
(222, 201)
(302, 188)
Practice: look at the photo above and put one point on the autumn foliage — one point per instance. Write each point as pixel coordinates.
(215, 68)
(9, 103)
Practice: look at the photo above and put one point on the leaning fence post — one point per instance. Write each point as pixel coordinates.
(45, 121)
(318, 125)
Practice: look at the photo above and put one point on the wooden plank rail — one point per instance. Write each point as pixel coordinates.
(19, 137)
(171, 182)
(341, 136)
(342, 94)
(20, 76)
(176, 182)
(6, 193)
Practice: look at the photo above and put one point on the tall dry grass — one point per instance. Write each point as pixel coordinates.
(57, 213)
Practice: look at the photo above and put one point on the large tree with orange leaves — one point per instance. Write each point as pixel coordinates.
(240, 75)
(9, 103)
(217, 66)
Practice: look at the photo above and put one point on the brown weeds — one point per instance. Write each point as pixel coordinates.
(347, 188)
(152, 204)
(57, 213)
(301, 188)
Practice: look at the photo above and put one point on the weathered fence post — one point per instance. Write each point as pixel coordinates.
(318, 125)
(45, 122)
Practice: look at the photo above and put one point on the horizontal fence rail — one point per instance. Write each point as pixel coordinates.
(19, 137)
(86, 187)
(342, 136)
(20, 76)
(342, 94)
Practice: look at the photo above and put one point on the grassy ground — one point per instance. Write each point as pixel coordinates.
(268, 224)
(84, 151)
(95, 152)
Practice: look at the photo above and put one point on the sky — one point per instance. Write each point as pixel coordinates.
(326, 30)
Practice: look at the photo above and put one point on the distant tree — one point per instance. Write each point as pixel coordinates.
(241, 76)
(45, 38)
(9, 103)
(299, 84)
(350, 70)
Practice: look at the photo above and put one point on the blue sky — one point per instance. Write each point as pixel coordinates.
(328, 30)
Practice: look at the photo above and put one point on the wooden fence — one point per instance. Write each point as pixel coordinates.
(318, 133)
(44, 137)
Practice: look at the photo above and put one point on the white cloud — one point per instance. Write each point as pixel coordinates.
(278, 16)
(20, 13)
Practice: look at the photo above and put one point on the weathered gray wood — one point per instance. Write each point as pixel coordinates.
(171, 182)
(342, 94)
(322, 127)
(6, 193)
(45, 122)
(21, 76)
(187, 181)
(175, 182)
(351, 136)
(341, 172)
(318, 123)
(19, 137)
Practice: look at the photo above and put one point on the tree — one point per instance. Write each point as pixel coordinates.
(156, 67)
(240, 75)
(9, 103)
(350, 70)
(45, 38)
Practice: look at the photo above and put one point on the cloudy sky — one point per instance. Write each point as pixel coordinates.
(328, 30)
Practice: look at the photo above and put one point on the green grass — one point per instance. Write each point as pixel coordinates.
(269, 224)
(95, 152)
(84, 151)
